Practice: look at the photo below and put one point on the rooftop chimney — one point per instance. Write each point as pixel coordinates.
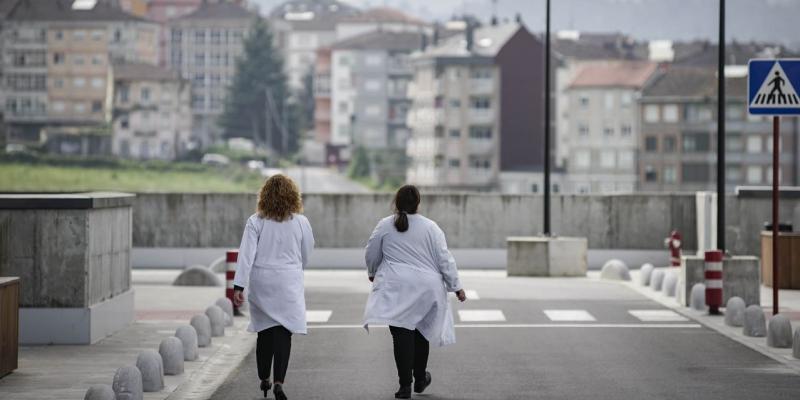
(470, 35)
(435, 39)
(424, 44)
(518, 18)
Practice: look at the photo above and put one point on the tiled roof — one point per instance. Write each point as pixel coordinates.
(596, 46)
(396, 41)
(629, 74)
(61, 10)
(384, 14)
(693, 82)
(703, 53)
(487, 42)
(141, 71)
(219, 10)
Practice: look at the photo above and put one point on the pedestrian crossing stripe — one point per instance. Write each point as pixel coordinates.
(481, 316)
(318, 316)
(771, 87)
(569, 315)
(657, 316)
(472, 294)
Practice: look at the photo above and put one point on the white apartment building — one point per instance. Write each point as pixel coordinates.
(604, 135)
(204, 46)
(152, 116)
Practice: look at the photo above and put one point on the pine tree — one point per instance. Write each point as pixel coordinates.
(259, 73)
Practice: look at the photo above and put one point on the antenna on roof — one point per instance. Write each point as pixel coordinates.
(494, 12)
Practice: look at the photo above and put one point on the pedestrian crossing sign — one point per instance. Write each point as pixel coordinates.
(772, 87)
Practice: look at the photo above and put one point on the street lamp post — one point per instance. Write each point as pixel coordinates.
(546, 218)
(721, 131)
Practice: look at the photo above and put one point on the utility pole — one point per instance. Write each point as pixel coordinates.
(547, 121)
(721, 131)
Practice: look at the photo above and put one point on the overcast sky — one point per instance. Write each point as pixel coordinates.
(767, 20)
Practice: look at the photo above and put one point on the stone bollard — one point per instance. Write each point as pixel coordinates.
(225, 304)
(796, 344)
(217, 318)
(127, 384)
(698, 297)
(202, 325)
(670, 284)
(779, 332)
(755, 325)
(197, 275)
(645, 273)
(615, 270)
(188, 337)
(734, 312)
(100, 392)
(152, 367)
(171, 351)
(657, 279)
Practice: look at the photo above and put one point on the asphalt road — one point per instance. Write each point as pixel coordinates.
(601, 350)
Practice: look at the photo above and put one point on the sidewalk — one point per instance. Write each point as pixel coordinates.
(66, 372)
(789, 302)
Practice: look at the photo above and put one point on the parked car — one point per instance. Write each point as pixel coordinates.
(255, 165)
(215, 159)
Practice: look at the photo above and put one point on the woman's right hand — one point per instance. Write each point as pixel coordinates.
(462, 296)
(238, 298)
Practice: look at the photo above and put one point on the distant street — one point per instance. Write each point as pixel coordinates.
(320, 180)
(524, 339)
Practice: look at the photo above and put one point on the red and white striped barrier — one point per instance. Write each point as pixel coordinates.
(231, 257)
(713, 275)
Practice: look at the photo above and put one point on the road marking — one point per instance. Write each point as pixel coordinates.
(481, 315)
(569, 315)
(472, 294)
(657, 315)
(318, 315)
(533, 326)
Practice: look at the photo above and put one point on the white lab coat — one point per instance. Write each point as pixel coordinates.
(413, 272)
(272, 257)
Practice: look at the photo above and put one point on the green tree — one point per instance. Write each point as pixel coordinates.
(359, 164)
(255, 100)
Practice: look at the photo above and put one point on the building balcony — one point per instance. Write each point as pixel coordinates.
(481, 86)
(482, 116)
(480, 146)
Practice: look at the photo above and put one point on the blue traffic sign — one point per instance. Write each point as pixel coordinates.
(771, 87)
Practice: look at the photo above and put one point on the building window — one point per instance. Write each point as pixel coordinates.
(176, 35)
(117, 36)
(455, 103)
(79, 82)
(97, 35)
(344, 61)
(79, 35)
(696, 142)
(199, 79)
(754, 174)
(77, 60)
(650, 174)
(670, 144)
(438, 161)
(59, 35)
(215, 36)
(372, 85)
(583, 101)
(625, 159)
(734, 142)
(199, 36)
(625, 99)
(145, 94)
(609, 101)
(79, 108)
(454, 163)
(608, 131)
(480, 73)
(755, 144)
(671, 113)
(670, 175)
(199, 59)
(651, 144)
(97, 106)
(96, 60)
(373, 60)
(373, 110)
(535, 188)
(651, 113)
(58, 58)
(480, 132)
(479, 162)
(438, 131)
(455, 133)
(608, 159)
(626, 130)
(583, 159)
(58, 106)
(556, 188)
(698, 113)
(97, 83)
(481, 103)
(733, 174)
(735, 112)
(58, 83)
(583, 130)
(695, 173)
(124, 123)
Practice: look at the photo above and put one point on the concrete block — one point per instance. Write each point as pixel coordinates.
(779, 332)
(645, 272)
(690, 273)
(127, 383)
(670, 283)
(546, 256)
(226, 305)
(657, 279)
(796, 344)
(151, 366)
(698, 297)
(197, 275)
(741, 277)
(100, 392)
(188, 337)
(217, 318)
(202, 325)
(171, 351)
(615, 270)
(755, 324)
(734, 311)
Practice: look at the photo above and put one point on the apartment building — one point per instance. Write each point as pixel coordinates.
(203, 47)
(152, 116)
(57, 62)
(603, 140)
(385, 19)
(476, 108)
(301, 27)
(678, 149)
(162, 11)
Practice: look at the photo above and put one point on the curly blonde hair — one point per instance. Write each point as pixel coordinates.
(278, 199)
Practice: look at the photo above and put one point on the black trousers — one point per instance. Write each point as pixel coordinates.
(410, 354)
(273, 343)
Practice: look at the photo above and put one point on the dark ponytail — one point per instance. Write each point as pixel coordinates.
(406, 201)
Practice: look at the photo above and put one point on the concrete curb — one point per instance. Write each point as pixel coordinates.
(717, 323)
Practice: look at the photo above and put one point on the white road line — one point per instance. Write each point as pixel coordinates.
(472, 294)
(533, 326)
(318, 315)
(569, 315)
(657, 315)
(481, 316)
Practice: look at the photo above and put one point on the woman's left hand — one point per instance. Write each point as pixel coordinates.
(462, 296)
(238, 298)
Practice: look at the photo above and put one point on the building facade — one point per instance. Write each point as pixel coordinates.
(152, 116)
(162, 11)
(603, 136)
(203, 47)
(679, 134)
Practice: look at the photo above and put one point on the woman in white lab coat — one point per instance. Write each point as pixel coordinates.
(412, 270)
(276, 245)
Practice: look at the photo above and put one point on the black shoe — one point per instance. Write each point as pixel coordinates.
(265, 386)
(403, 393)
(419, 387)
(278, 391)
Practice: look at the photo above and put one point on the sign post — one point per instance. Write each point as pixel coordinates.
(771, 91)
